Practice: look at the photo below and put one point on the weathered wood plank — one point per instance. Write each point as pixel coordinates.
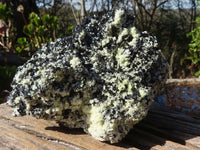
(143, 143)
(160, 130)
(172, 124)
(38, 131)
(161, 141)
(162, 117)
(183, 82)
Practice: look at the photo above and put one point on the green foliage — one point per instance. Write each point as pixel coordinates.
(70, 29)
(39, 31)
(4, 12)
(195, 44)
(23, 44)
(197, 73)
(194, 47)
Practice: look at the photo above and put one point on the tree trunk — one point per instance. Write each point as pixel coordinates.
(82, 9)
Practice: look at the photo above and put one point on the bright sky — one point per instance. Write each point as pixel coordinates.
(171, 3)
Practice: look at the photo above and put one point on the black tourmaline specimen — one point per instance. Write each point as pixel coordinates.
(103, 78)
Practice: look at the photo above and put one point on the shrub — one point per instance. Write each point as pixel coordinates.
(194, 49)
(39, 31)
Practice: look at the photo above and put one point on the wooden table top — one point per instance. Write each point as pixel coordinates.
(162, 129)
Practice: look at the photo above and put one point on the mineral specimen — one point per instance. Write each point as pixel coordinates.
(103, 78)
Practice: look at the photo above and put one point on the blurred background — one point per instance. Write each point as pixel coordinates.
(25, 25)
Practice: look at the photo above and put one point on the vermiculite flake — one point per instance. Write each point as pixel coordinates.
(103, 78)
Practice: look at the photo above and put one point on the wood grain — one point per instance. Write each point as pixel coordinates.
(160, 130)
(183, 82)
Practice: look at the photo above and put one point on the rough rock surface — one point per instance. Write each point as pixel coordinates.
(102, 79)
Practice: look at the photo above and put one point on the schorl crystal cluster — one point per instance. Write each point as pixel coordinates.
(103, 78)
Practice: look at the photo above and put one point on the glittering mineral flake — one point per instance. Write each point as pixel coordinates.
(103, 78)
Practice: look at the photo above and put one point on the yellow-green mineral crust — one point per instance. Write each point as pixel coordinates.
(103, 78)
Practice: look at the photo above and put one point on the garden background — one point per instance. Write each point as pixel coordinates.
(25, 25)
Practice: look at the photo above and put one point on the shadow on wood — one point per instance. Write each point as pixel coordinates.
(66, 130)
